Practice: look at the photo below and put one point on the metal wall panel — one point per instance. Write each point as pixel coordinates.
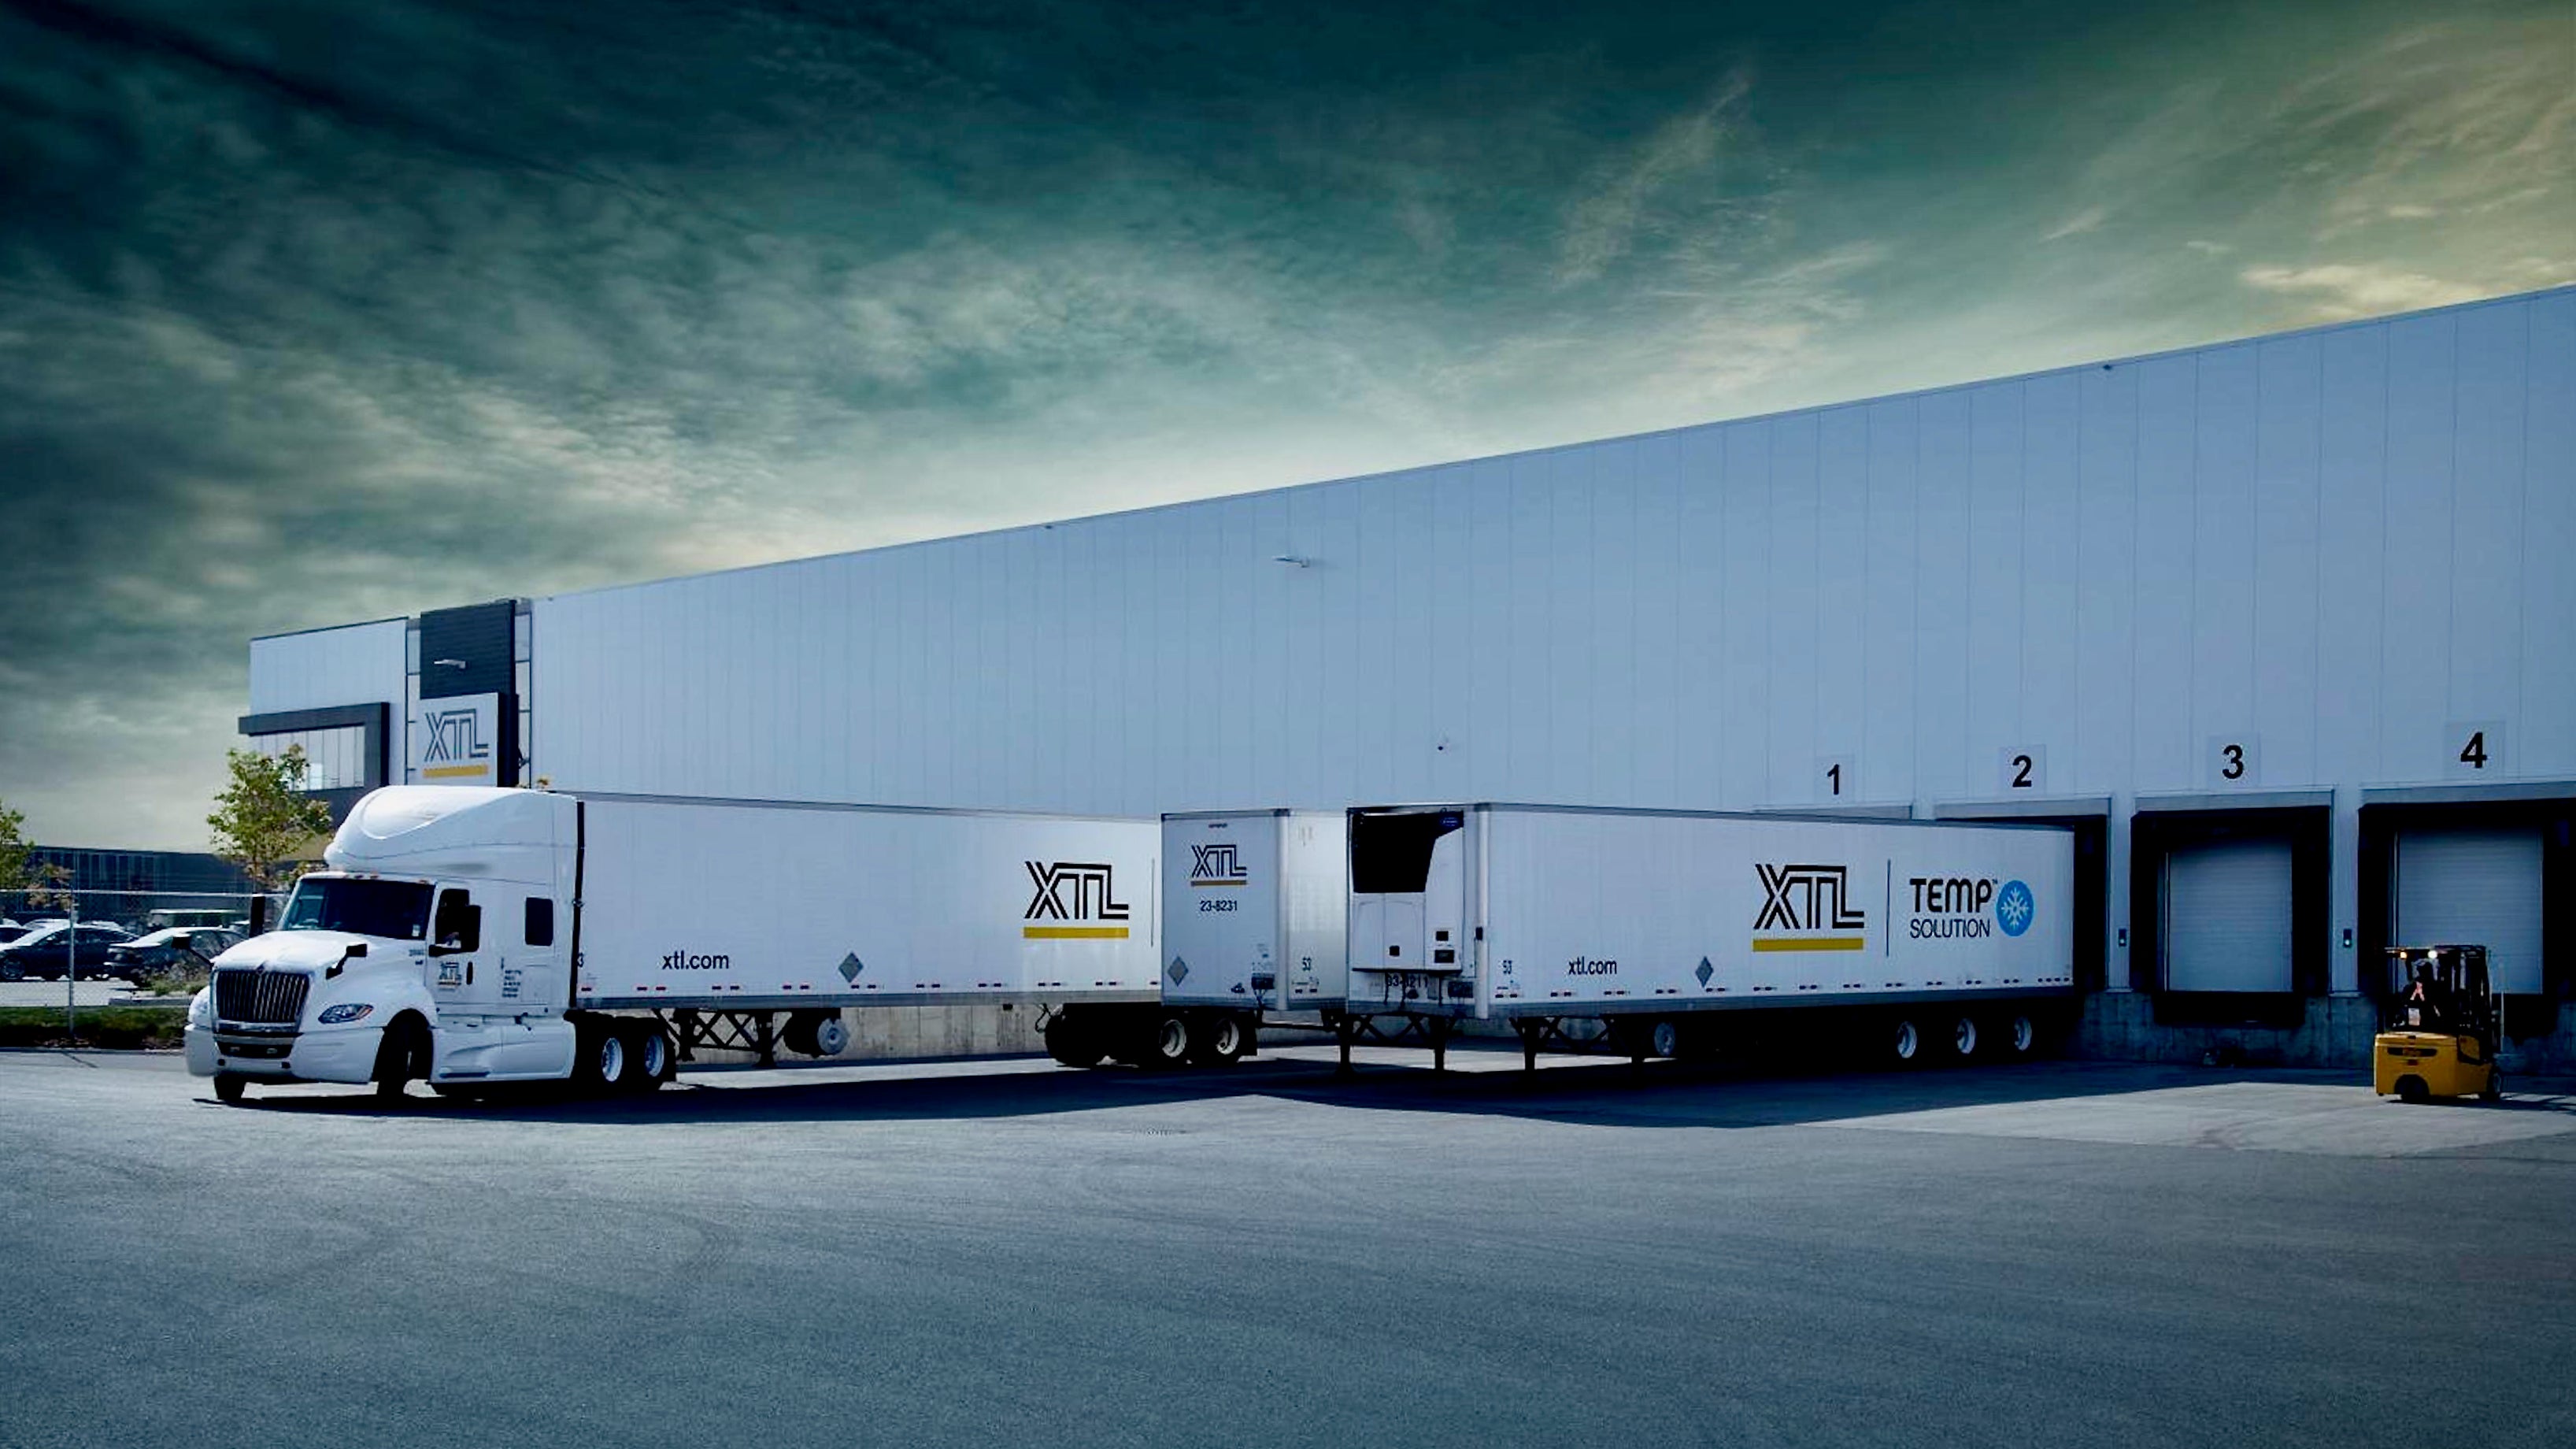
(2336, 544)
(325, 668)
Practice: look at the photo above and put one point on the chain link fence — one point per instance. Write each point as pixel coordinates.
(106, 953)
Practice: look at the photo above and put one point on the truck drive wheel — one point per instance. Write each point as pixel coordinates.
(229, 1087)
(601, 1058)
(648, 1058)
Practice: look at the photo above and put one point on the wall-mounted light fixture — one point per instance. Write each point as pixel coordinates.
(1292, 560)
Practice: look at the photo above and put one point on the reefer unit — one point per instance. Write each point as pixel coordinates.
(1254, 907)
(1547, 912)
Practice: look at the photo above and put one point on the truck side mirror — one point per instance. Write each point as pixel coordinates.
(355, 951)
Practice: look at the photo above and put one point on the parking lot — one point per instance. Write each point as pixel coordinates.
(992, 1252)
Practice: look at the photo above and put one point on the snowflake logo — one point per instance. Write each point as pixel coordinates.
(2014, 906)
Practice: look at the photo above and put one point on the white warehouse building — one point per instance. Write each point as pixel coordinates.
(2286, 628)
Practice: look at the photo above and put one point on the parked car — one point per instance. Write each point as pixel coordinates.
(175, 948)
(46, 951)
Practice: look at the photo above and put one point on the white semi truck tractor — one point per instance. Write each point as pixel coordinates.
(1681, 931)
(471, 937)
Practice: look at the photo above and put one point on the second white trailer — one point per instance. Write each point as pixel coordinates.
(1254, 907)
(1657, 922)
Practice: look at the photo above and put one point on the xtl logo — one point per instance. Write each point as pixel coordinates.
(454, 738)
(1217, 865)
(1079, 894)
(1808, 899)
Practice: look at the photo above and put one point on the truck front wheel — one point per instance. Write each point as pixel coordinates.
(230, 1086)
(401, 1056)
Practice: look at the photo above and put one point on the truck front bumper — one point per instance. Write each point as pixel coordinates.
(346, 1055)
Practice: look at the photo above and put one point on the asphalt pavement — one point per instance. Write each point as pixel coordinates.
(1008, 1252)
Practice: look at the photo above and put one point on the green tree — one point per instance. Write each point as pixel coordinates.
(263, 815)
(14, 849)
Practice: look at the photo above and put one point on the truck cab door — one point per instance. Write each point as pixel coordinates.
(460, 974)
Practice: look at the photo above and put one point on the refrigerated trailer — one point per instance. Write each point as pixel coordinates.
(1680, 930)
(470, 937)
(1254, 908)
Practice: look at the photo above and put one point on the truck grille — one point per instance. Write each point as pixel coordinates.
(261, 998)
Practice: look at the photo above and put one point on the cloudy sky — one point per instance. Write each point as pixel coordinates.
(316, 313)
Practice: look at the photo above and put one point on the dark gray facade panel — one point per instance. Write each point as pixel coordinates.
(467, 650)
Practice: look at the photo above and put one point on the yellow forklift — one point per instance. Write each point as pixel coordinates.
(2438, 1026)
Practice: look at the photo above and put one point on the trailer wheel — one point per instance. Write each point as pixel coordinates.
(1223, 1042)
(1963, 1037)
(230, 1087)
(1664, 1038)
(831, 1036)
(2022, 1036)
(1906, 1040)
(1072, 1042)
(1171, 1043)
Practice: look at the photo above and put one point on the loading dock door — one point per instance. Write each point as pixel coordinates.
(2227, 917)
(2473, 887)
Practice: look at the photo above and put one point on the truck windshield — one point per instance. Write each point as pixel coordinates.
(398, 909)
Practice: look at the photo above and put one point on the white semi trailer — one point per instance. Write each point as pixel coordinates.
(470, 937)
(1679, 929)
(1254, 907)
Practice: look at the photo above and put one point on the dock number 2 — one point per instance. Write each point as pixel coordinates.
(2025, 767)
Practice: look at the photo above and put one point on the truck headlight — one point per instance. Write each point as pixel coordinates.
(344, 1013)
(201, 1009)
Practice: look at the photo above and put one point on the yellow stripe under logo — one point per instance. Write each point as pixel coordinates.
(1201, 885)
(450, 772)
(1074, 933)
(1812, 943)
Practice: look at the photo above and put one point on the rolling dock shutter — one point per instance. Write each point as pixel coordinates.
(2473, 887)
(2227, 917)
